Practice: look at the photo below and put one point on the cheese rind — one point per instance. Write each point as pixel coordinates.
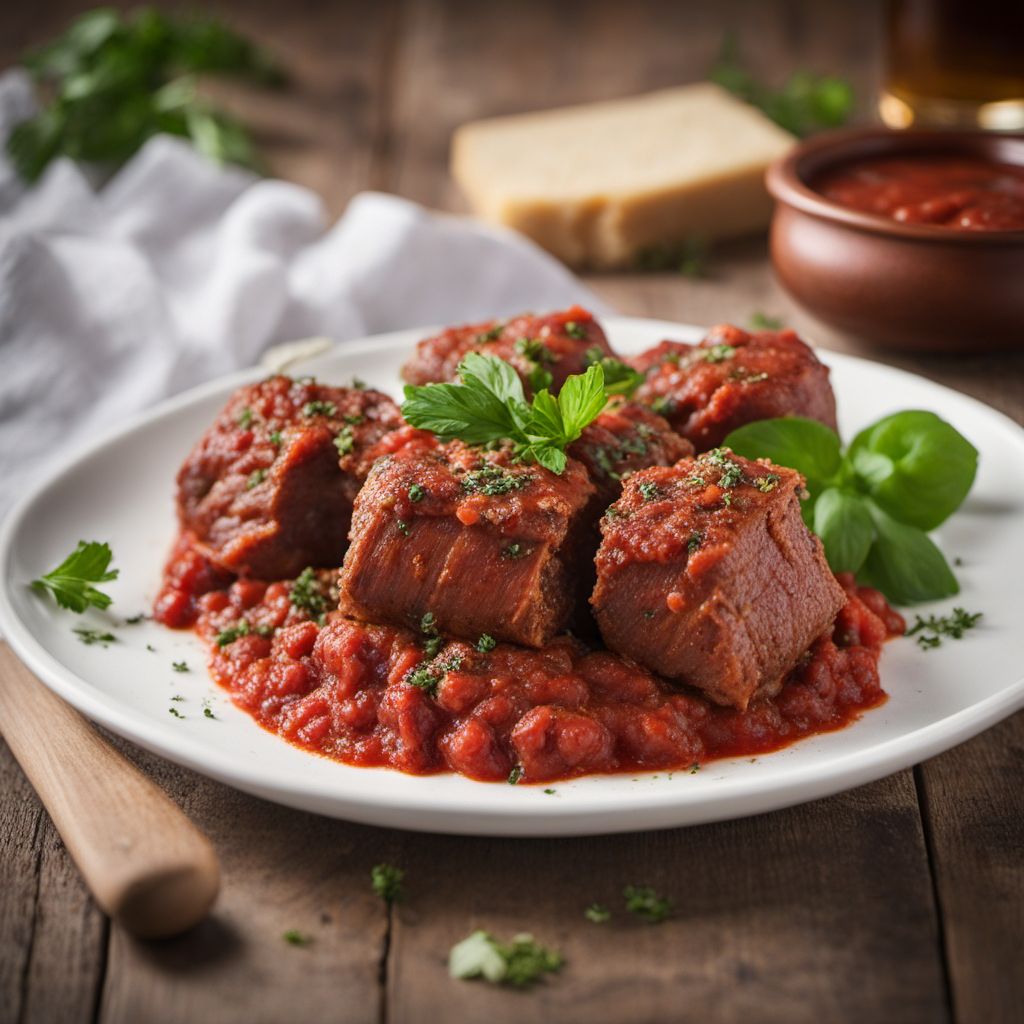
(598, 184)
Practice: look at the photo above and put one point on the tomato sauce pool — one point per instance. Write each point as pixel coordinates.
(384, 696)
(960, 192)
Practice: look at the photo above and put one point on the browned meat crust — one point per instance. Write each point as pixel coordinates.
(268, 490)
(483, 544)
(708, 576)
(556, 343)
(731, 378)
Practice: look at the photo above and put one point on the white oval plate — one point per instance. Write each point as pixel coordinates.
(120, 490)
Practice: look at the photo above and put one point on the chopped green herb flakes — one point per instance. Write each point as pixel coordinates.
(930, 631)
(386, 880)
(319, 408)
(307, 593)
(519, 963)
(643, 901)
(345, 441)
(94, 636)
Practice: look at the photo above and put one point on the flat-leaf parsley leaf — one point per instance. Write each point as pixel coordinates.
(489, 405)
(71, 583)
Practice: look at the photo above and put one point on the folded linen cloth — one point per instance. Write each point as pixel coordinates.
(178, 270)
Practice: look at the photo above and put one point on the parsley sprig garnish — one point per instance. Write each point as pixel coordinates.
(71, 583)
(489, 405)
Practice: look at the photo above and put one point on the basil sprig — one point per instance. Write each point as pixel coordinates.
(873, 504)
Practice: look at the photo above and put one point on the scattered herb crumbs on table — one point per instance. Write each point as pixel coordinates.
(519, 963)
(643, 901)
(296, 938)
(386, 880)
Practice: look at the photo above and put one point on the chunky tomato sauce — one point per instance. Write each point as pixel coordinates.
(393, 697)
(959, 192)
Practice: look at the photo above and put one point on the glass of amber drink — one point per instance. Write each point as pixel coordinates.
(954, 64)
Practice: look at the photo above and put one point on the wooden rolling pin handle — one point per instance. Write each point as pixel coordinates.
(146, 864)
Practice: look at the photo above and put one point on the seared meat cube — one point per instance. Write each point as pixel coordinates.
(539, 347)
(479, 542)
(269, 488)
(707, 575)
(626, 437)
(731, 378)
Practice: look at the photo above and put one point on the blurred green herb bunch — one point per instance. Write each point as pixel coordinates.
(112, 81)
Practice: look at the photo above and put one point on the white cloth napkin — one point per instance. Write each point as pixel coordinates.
(178, 270)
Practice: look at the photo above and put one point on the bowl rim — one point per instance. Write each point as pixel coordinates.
(787, 176)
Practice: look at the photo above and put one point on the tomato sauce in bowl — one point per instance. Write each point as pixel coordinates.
(962, 192)
(386, 696)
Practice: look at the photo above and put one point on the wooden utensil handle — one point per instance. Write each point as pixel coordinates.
(147, 865)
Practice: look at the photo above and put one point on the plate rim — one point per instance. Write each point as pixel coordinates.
(458, 815)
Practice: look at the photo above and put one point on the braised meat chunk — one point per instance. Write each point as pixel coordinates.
(707, 575)
(476, 541)
(543, 349)
(269, 488)
(731, 378)
(626, 437)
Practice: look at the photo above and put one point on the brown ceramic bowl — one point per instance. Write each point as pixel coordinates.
(911, 286)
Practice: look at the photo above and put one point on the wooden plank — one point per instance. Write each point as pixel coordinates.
(51, 935)
(820, 912)
(974, 817)
(283, 870)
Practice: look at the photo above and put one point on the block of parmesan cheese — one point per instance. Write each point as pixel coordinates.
(598, 184)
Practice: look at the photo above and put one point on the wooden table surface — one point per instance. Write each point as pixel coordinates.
(899, 901)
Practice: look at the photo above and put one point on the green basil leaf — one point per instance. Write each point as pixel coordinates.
(915, 466)
(904, 564)
(845, 527)
(804, 445)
